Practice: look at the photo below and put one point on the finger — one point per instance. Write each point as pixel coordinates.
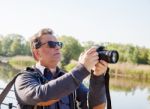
(94, 54)
(96, 58)
(91, 50)
(100, 67)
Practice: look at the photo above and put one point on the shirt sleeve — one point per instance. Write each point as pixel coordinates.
(97, 92)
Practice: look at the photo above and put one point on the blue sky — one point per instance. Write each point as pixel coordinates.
(120, 21)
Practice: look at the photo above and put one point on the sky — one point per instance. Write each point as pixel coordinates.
(116, 21)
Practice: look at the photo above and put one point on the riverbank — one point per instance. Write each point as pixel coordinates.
(125, 70)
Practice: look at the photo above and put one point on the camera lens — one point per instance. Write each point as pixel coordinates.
(114, 56)
(110, 56)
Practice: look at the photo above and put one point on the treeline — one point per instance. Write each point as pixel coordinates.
(132, 54)
(15, 44)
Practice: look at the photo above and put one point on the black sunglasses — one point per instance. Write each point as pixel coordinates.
(53, 44)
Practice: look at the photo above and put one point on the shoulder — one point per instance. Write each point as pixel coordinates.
(31, 74)
(27, 77)
(27, 73)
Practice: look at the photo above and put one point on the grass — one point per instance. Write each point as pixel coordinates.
(129, 70)
(20, 62)
(126, 70)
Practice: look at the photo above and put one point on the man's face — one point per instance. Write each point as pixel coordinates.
(49, 57)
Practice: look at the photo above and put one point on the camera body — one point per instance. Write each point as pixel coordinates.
(110, 56)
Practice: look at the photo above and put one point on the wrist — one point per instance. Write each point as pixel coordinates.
(85, 66)
(98, 74)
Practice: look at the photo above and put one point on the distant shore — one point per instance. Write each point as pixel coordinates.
(125, 70)
(128, 70)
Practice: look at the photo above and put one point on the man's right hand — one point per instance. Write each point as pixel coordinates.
(89, 58)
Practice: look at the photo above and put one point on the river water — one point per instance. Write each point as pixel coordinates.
(125, 93)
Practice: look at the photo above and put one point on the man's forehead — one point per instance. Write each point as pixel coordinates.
(48, 37)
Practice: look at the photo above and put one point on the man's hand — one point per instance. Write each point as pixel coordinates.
(89, 58)
(100, 68)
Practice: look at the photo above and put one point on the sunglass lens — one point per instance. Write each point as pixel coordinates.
(52, 44)
(60, 44)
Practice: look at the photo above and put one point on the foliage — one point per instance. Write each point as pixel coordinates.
(14, 44)
(0, 47)
(6, 44)
(71, 49)
(71, 65)
(130, 53)
(88, 44)
(149, 57)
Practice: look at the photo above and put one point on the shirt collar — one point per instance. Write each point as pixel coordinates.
(40, 67)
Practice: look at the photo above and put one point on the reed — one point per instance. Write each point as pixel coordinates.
(129, 70)
(20, 62)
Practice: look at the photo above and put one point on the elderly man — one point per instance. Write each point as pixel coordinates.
(46, 86)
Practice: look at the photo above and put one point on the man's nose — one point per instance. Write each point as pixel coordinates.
(57, 47)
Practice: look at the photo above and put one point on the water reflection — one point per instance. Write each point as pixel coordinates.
(7, 72)
(125, 93)
(128, 85)
(130, 93)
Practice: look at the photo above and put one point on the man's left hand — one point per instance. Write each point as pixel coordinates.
(100, 68)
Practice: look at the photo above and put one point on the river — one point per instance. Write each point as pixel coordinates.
(125, 93)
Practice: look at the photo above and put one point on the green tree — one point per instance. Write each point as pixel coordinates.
(17, 46)
(120, 48)
(131, 54)
(14, 44)
(143, 56)
(135, 54)
(6, 44)
(149, 56)
(71, 49)
(1, 44)
(27, 50)
(0, 47)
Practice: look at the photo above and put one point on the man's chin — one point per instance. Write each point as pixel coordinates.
(57, 59)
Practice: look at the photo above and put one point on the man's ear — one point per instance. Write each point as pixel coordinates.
(36, 54)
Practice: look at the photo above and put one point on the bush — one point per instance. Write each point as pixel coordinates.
(70, 66)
